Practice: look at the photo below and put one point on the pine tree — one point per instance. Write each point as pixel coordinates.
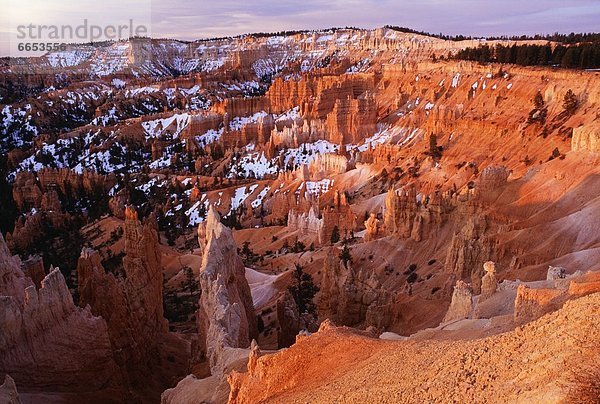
(335, 235)
(570, 58)
(303, 290)
(434, 149)
(345, 255)
(191, 283)
(570, 103)
(538, 100)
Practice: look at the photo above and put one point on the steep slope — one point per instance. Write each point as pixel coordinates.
(540, 362)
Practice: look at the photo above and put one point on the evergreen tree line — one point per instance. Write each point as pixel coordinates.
(572, 38)
(582, 56)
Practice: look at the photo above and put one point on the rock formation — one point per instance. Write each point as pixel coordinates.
(232, 110)
(46, 341)
(489, 283)
(322, 223)
(131, 301)
(30, 192)
(555, 273)
(531, 304)
(26, 192)
(289, 320)
(586, 138)
(352, 297)
(12, 280)
(341, 365)
(8, 391)
(307, 222)
(226, 319)
(410, 216)
(337, 215)
(468, 250)
(461, 305)
(492, 179)
(372, 228)
(34, 269)
(587, 284)
(326, 165)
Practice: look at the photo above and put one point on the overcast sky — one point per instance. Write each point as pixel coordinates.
(186, 19)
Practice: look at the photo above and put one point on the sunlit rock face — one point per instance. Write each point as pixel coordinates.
(226, 319)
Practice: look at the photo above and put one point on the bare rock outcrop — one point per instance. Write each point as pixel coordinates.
(372, 228)
(51, 201)
(585, 285)
(34, 269)
(13, 281)
(353, 297)
(338, 365)
(469, 249)
(461, 305)
(491, 181)
(531, 304)
(336, 216)
(8, 391)
(46, 341)
(26, 192)
(226, 318)
(408, 215)
(131, 301)
(489, 283)
(555, 273)
(586, 138)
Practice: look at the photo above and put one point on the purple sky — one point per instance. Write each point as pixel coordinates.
(186, 20)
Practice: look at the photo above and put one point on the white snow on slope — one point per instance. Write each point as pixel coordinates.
(241, 195)
(238, 122)
(455, 80)
(259, 198)
(159, 127)
(261, 287)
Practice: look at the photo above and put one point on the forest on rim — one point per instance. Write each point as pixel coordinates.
(580, 56)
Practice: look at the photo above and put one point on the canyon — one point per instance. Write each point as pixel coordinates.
(340, 215)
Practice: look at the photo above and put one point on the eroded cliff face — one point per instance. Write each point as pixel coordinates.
(46, 341)
(321, 221)
(131, 300)
(407, 215)
(469, 249)
(586, 138)
(226, 318)
(352, 297)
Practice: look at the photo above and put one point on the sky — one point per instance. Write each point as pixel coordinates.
(189, 20)
(469, 17)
